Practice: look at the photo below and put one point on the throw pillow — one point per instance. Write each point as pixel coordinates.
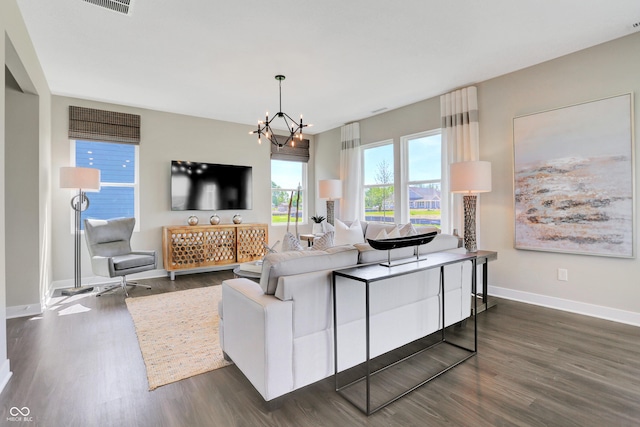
(383, 234)
(326, 227)
(407, 230)
(323, 242)
(348, 235)
(290, 243)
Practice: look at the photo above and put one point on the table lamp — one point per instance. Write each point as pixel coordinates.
(81, 179)
(470, 178)
(330, 189)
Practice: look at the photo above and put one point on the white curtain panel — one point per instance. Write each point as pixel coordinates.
(350, 172)
(460, 138)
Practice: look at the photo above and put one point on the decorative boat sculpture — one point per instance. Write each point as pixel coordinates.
(402, 242)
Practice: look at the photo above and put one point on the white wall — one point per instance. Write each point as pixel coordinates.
(164, 137)
(599, 286)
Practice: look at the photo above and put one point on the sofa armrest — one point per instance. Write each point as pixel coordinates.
(258, 336)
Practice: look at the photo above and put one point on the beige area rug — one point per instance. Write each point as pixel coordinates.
(178, 333)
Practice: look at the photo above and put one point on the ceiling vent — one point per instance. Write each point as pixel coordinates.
(120, 6)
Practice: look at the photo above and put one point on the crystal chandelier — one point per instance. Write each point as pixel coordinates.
(264, 127)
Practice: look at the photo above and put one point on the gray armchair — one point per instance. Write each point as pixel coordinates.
(111, 254)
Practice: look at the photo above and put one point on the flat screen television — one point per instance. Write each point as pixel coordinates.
(210, 186)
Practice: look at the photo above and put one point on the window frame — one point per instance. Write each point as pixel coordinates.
(135, 185)
(405, 215)
(304, 192)
(363, 149)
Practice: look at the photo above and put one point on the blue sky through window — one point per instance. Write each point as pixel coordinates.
(117, 166)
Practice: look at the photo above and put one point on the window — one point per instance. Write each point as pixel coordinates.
(378, 182)
(118, 164)
(423, 175)
(287, 177)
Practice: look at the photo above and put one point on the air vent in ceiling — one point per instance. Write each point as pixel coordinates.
(121, 6)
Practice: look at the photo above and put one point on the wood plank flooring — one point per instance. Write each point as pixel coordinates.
(79, 364)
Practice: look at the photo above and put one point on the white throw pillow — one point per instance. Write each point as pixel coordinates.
(326, 227)
(323, 242)
(348, 235)
(290, 243)
(407, 230)
(383, 234)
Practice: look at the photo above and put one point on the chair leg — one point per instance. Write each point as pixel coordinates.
(109, 288)
(137, 284)
(123, 284)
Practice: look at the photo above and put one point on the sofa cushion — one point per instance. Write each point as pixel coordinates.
(125, 262)
(348, 234)
(442, 242)
(296, 262)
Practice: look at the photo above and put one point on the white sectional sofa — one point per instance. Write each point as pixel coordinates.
(279, 332)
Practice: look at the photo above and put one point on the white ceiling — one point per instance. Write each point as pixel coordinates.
(343, 59)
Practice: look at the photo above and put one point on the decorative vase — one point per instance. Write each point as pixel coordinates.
(317, 228)
(215, 219)
(193, 220)
(237, 219)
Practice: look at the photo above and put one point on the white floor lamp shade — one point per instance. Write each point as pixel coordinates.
(470, 178)
(81, 179)
(330, 189)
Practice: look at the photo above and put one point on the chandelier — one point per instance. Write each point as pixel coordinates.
(264, 127)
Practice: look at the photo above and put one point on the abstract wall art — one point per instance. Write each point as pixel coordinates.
(574, 179)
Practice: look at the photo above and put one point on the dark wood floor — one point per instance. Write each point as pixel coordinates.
(80, 365)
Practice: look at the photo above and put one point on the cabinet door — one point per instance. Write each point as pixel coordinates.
(250, 241)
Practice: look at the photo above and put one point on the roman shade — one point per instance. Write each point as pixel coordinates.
(106, 126)
(298, 153)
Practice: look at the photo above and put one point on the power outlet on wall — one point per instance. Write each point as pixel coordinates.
(563, 274)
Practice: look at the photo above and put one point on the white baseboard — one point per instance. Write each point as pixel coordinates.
(23, 310)
(5, 374)
(607, 313)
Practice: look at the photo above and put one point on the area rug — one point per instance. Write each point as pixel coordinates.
(178, 333)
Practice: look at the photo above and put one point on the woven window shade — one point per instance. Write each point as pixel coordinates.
(299, 153)
(100, 125)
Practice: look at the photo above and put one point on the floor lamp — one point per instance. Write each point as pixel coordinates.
(81, 179)
(330, 189)
(470, 178)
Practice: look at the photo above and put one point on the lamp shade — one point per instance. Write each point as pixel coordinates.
(470, 177)
(84, 178)
(330, 188)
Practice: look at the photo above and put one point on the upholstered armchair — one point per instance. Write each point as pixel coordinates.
(111, 255)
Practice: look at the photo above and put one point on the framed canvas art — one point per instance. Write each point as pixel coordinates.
(574, 179)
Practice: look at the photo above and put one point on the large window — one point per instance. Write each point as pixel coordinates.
(378, 182)
(423, 160)
(286, 178)
(118, 164)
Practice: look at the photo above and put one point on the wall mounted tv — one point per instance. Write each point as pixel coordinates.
(209, 186)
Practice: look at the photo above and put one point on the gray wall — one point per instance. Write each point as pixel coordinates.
(17, 53)
(600, 286)
(22, 196)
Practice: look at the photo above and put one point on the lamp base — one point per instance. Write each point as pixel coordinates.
(469, 201)
(76, 291)
(331, 212)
